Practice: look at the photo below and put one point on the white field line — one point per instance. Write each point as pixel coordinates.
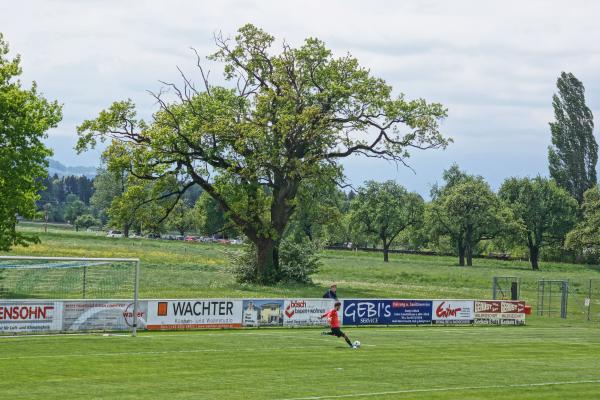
(198, 334)
(142, 353)
(36, 336)
(356, 331)
(446, 389)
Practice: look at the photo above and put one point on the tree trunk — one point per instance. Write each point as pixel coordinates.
(469, 245)
(386, 250)
(461, 255)
(307, 228)
(126, 230)
(534, 253)
(267, 261)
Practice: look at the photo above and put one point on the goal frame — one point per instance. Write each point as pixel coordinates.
(136, 278)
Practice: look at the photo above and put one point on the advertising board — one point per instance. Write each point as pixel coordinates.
(192, 314)
(112, 315)
(262, 312)
(453, 311)
(30, 316)
(386, 312)
(499, 312)
(306, 312)
(87, 315)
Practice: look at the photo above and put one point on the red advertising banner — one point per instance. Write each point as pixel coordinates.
(500, 312)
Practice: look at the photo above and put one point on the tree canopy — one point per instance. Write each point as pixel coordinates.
(286, 118)
(25, 117)
(384, 210)
(586, 235)
(467, 211)
(544, 212)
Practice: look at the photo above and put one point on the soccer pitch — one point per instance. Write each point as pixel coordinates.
(530, 362)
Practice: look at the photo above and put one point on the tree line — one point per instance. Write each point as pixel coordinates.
(64, 199)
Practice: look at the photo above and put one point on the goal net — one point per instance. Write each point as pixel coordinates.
(66, 294)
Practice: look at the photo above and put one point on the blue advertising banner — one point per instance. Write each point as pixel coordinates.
(387, 312)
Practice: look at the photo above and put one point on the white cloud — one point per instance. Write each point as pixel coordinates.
(493, 64)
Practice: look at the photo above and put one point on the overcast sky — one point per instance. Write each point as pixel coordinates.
(493, 64)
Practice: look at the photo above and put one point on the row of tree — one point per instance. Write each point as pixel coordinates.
(465, 212)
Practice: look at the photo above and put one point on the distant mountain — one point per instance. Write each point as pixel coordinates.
(58, 168)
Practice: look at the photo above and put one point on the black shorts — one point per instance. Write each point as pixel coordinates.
(337, 332)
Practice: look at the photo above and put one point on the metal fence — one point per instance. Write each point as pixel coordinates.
(585, 295)
(552, 298)
(574, 299)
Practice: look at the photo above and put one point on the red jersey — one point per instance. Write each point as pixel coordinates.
(332, 316)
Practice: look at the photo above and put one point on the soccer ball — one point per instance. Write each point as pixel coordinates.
(356, 344)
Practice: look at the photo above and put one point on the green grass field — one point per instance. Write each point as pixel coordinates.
(559, 362)
(549, 358)
(172, 269)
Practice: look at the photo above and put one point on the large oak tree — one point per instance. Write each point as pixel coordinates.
(287, 117)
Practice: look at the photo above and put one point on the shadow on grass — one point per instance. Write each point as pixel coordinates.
(14, 295)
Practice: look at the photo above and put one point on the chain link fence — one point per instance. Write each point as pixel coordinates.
(585, 299)
(572, 299)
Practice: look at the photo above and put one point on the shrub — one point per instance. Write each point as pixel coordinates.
(297, 261)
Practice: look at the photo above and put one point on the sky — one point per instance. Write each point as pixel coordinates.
(493, 64)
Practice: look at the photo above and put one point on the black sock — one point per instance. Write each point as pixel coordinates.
(348, 341)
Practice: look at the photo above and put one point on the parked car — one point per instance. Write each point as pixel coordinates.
(114, 234)
(191, 238)
(153, 236)
(135, 236)
(179, 237)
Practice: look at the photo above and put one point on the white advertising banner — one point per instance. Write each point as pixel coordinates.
(452, 311)
(299, 312)
(30, 316)
(192, 314)
(109, 315)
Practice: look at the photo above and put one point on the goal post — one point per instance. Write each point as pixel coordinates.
(75, 288)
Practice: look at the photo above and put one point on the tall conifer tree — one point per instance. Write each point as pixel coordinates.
(573, 154)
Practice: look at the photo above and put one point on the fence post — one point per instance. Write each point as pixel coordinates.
(540, 302)
(564, 299)
(589, 307)
(549, 301)
(84, 283)
(136, 283)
